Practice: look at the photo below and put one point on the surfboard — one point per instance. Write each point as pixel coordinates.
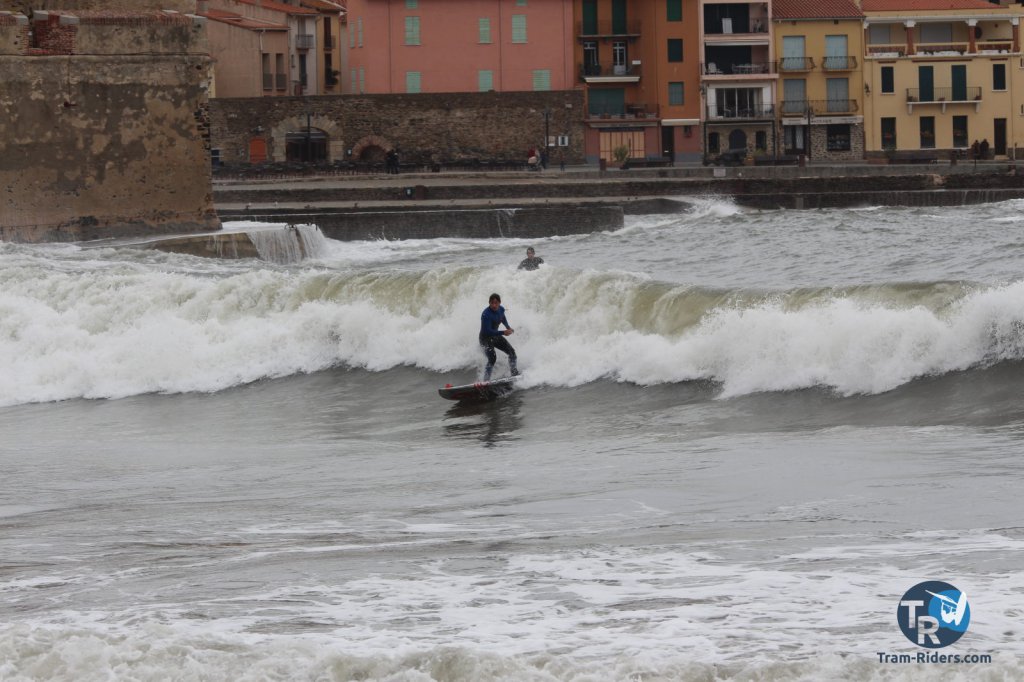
(479, 391)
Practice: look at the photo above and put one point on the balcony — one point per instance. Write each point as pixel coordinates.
(268, 81)
(608, 29)
(839, 63)
(304, 41)
(281, 81)
(794, 107)
(826, 107)
(944, 97)
(727, 26)
(795, 64)
(755, 69)
(330, 43)
(617, 73)
(751, 112)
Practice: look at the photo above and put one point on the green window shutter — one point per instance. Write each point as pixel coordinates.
(362, 80)
(412, 81)
(618, 17)
(589, 17)
(412, 30)
(486, 80)
(520, 3)
(673, 10)
(359, 32)
(412, 4)
(485, 30)
(675, 93)
(542, 79)
(353, 80)
(518, 28)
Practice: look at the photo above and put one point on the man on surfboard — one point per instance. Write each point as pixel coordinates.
(492, 337)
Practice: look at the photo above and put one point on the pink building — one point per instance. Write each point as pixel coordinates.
(408, 46)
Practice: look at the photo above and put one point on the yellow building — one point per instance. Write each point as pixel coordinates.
(820, 87)
(940, 75)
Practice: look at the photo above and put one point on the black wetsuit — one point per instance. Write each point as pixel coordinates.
(531, 263)
(492, 337)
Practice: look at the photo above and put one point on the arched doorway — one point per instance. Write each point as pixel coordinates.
(372, 154)
(737, 139)
(307, 145)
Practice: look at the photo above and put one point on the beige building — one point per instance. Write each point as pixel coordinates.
(249, 55)
(820, 87)
(940, 75)
(330, 52)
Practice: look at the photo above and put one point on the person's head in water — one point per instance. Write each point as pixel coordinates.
(494, 301)
(529, 252)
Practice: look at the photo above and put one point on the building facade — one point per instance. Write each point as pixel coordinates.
(414, 46)
(820, 49)
(940, 75)
(639, 64)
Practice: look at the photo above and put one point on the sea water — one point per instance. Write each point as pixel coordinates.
(742, 437)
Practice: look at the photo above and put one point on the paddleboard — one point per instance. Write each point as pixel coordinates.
(481, 390)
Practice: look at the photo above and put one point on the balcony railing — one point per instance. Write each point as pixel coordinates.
(304, 41)
(740, 112)
(832, 106)
(592, 71)
(941, 48)
(268, 81)
(887, 50)
(944, 95)
(727, 26)
(839, 63)
(794, 107)
(791, 64)
(602, 29)
(330, 43)
(281, 80)
(720, 69)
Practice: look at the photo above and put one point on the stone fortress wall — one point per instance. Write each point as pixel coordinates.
(104, 126)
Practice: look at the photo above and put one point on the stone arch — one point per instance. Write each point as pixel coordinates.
(737, 139)
(371, 148)
(330, 127)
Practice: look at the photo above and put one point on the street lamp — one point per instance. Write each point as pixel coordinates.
(547, 133)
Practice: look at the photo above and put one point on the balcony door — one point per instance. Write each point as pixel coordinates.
(926, 83)
(838, 92)
(958, 74)
(793, 53)
(835, 52)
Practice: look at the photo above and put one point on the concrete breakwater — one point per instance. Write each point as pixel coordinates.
(539, 205)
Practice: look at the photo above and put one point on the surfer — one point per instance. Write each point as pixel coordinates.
(492, 337)
(531, 262)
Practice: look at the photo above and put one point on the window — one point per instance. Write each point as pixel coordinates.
(838, 91)
(412, 30)
(927, 125)
(673, 10)
(960, 131)
(888, 133)
(359, 32)
(619, 58)
(520, 3)
(268, 77)
(837, 138)
(589, 17)
(793, 56)
(714, 143)
(888, 80)
(761, 141)
(485, 80)
(485, 30)
(675, 49)
(353, 76)
(542, 79)
(413, 81)
(362, 80)
(794, 96)
(675, 94)
(737, 102)
(411, 4)
(999, 76)
(836, 52)
(518, 28)
(606, 101)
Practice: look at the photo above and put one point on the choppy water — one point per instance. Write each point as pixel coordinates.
(743, 436)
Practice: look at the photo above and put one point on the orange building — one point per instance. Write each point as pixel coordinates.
(640, 63)
(410, 46)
